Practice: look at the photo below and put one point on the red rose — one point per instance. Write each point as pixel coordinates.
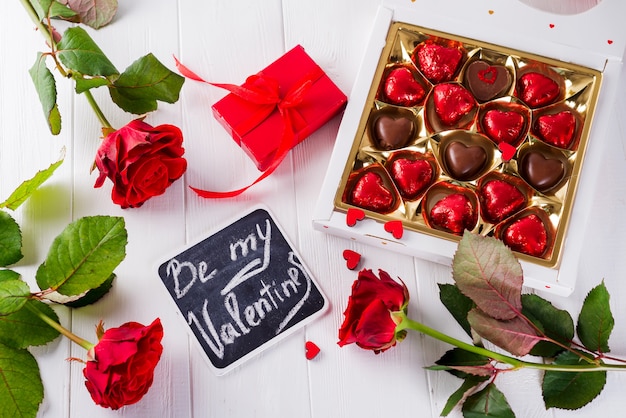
(141, 161)
(368, 320)
(122, 366)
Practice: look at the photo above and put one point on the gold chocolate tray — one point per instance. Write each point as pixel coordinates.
(459, 134)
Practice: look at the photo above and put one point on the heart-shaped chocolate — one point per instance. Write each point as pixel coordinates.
(542, 172)
(437, 62)
(452, 102)
(487, 81)
(557, 129)
(400, 88)
(537, 89)
(527, 235)
(504, 126)
(393, 130)
(499, 199)
(370, 192)
(464, 162)
(454, 213)
(411, 176)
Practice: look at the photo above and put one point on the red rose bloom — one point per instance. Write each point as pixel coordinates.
(122, 366)
(141, 161)
(368, 321)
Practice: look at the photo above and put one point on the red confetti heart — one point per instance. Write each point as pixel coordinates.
(508, 151)
(311, 350)
(551, 25)
(395, 228)
(352, 258)
(610, 41)
(354, 215)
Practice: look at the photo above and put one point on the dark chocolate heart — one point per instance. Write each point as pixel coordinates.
(392, 131)
(370, 192)
(400, 88)
(487, 81)
(464, 162)
(541, 172)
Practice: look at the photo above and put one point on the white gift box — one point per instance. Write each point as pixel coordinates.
(593, 40)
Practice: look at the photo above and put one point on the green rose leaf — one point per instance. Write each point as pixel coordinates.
(46, 90)
(78, 52)
(21, 389)
(143, 83)
(468, 384)
(555, 323)
(463, 363)
(13, 295)
(457, 304)
(24, 328)
(51, 8)
(595, 321)
(93, 295)
(486, 271)
(84, 255)
(10, 240)
(515, 335)
(6, 275)
(84, 84)
(571, 390)
(27, 188)
(94, 13)
(489, 402)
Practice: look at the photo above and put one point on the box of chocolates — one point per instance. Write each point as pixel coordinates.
(447, 131)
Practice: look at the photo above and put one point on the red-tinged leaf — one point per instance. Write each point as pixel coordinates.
(467, 363)
(487, 272)
(489, 402)
(595, 322)
(485, 371)
(93, 13)
(514, 335)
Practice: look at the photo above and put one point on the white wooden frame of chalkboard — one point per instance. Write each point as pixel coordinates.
(241, 327)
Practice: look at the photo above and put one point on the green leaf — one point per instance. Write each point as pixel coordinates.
(51, 9)
(461, 358)
(93, 295)
(78, 52)
(24, 328)
(457, 304)
(45, 86)
(28, 187)
(555, 323)
(13, 295)
(143, 83)
(10, 240)
(595, 321)
(515, 335)
(94, 13)
(468, 385)
(21, 389)
(486, 271)
(6, 275)
(84, 255)
(571, 390)
(489, 402)
(84, 84)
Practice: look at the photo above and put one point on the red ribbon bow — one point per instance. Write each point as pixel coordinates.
(264, 93)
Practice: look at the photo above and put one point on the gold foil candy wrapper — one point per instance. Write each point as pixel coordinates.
(451, 116)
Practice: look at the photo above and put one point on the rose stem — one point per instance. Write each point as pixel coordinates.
(406, 323)
(45, 318)
(46, 34)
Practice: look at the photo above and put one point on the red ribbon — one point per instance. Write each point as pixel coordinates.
(264, 93)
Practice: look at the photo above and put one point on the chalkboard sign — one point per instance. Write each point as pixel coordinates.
(242, 289)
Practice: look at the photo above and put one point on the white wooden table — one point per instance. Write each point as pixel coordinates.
(226, 41)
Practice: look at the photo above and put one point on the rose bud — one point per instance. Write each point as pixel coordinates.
(141, 161)
(369, 321)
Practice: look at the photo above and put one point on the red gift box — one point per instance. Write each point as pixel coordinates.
(287, 101)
